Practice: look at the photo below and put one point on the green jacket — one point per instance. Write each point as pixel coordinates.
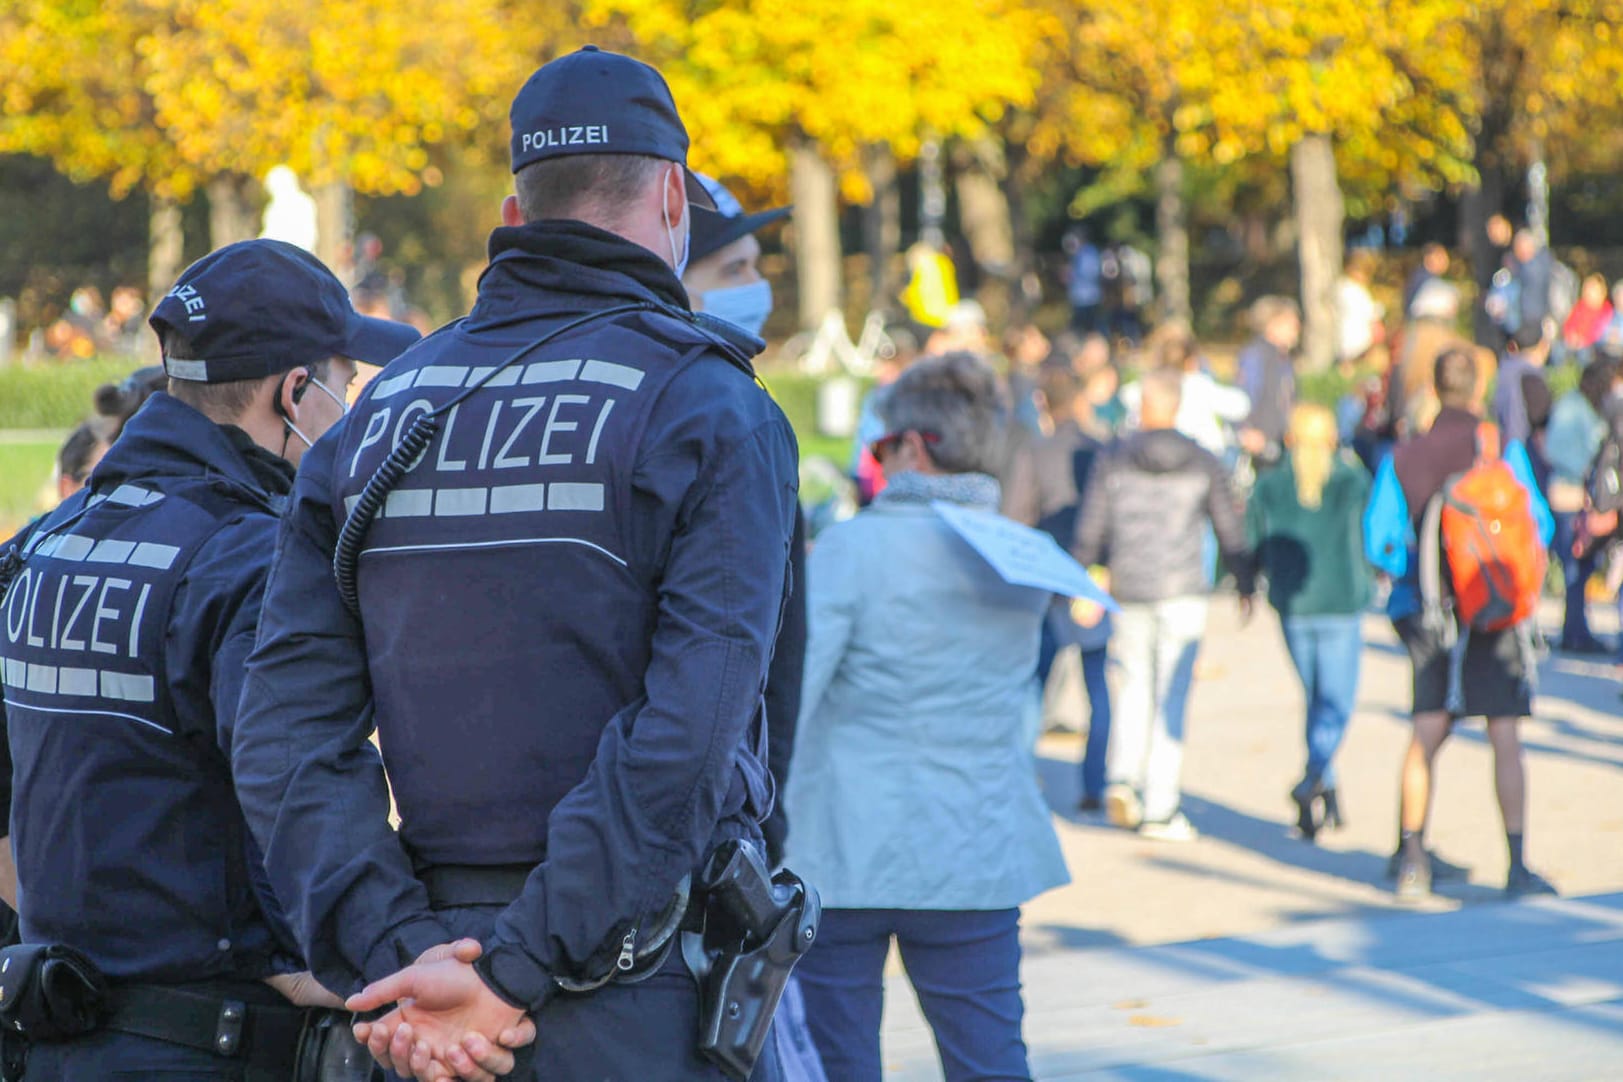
(1314, 558)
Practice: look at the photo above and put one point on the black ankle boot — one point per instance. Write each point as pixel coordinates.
(1306, 793)
(1332, 809)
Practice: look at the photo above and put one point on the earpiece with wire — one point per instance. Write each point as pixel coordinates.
(296, 394)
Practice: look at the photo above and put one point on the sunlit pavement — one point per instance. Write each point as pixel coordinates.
(1294, 960)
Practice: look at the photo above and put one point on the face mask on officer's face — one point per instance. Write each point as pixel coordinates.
(745, 306)
(679, 262)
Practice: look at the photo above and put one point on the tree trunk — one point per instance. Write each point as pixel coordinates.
(1501, 71)
(1172, 237)
(1481, 202)
(1030, 294)
(1319, 217)
(882, 225)
(166, 247)
(983, 215)
(231, 209)
(335, 229)
(166, 253)
(817, 234)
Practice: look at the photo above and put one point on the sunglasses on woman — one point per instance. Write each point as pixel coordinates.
(890, 441)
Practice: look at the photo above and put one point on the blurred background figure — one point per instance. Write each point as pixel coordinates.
(290, 215)
(1305, 524)
(118, 402)
(963, 330)
(914, 798)
(1572, 442)
(1084, 282)
(1432, 329)
(1434, 263)
(125, 321)
(931, 290)
(1359, 315)
(1267, 374)
(1025, 347)
(1064, 463)
(80, 452)
(1208, 410)
(1587, 321)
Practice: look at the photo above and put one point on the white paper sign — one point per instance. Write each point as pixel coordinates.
(1021, 555)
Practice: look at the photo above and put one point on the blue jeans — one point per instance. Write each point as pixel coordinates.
(1095, 664)
(1575, 572)
(965, 969)
(1326, 651)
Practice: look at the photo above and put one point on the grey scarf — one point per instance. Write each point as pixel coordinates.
(969, 489)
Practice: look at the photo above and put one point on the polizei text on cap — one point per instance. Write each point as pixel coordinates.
(566, 135)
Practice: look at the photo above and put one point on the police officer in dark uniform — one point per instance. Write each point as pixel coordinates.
(129, 615)
(723, 279)
(545, 557)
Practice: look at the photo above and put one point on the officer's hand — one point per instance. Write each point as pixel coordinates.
(303, 990)
(444, 1025)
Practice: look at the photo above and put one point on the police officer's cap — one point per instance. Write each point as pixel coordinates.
(714, 229)
(596, 102)
(261, 307)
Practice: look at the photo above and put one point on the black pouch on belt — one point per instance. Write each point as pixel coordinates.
(329, 1052)
(49, 992)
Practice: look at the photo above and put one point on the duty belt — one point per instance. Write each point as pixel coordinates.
(257, 1034)
(453, 885)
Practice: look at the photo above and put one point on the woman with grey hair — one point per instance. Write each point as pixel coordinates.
(914, 796)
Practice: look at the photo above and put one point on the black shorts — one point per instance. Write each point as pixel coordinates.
(1497, 678)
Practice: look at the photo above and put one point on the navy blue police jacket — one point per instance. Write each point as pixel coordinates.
(126, 631)
(567, 608)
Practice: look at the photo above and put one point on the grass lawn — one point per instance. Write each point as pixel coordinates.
(25, 468)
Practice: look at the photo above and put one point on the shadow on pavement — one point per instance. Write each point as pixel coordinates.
(1275, 839)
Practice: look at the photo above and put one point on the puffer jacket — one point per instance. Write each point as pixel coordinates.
(1143, 515)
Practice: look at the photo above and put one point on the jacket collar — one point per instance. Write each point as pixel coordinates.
(168, 438)
(557, 265)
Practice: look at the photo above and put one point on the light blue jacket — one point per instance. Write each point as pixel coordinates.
(914, 782)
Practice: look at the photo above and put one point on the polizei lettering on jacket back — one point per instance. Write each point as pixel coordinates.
(83, 620)
(567, 135)
(528, 443)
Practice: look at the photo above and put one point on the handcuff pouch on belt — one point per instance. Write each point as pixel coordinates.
(329, 1052)
(49, 992)
(641, 952)
(756, 926)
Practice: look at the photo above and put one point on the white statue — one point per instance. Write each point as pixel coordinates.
(291, 214)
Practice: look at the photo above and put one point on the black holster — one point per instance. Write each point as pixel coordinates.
(756, 926)
(329, 1052)
(49, 992)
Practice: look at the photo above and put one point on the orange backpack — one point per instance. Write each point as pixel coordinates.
(1482, 523)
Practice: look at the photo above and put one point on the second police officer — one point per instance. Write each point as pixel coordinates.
(151, 946)
(723, 279)
(561, 529)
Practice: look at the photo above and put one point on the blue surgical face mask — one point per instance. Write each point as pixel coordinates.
(744, 306)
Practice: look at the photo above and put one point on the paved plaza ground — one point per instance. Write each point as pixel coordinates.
(1249, 954)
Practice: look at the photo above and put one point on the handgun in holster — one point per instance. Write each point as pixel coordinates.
(756, 926)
